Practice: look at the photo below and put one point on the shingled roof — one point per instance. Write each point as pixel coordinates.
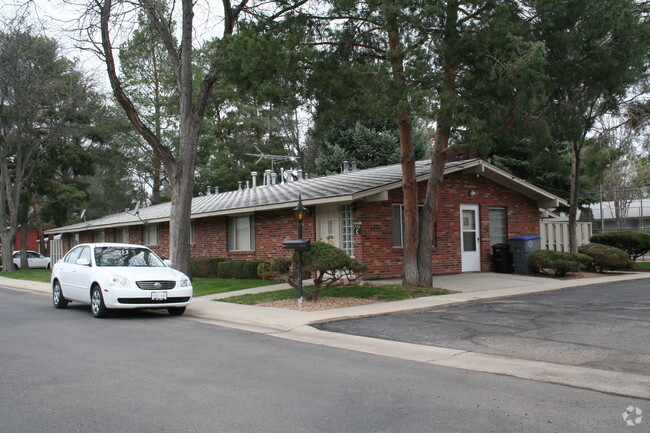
(337, 188)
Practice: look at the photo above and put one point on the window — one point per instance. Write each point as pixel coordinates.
(498, 227)
(398, 226)
(241, 233)
(85, 254)
(150, 234)
(75, 239)
(98, 236)
(122, 235)
(192, 232)
(72, 256)
(347, 229)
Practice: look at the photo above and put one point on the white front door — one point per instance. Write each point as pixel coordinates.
(469, 238)
(328, 224)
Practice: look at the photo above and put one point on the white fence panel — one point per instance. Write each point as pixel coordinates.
(56, 252)
(555, 235)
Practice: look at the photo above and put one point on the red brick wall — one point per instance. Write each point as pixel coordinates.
(374, 245)
(271, 229)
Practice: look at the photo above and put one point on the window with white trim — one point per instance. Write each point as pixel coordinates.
(347, 229)
(241, 233)
(150, 234)
(498, 225)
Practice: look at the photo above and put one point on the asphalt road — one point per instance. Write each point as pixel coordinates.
(603, 326)
(64, 371)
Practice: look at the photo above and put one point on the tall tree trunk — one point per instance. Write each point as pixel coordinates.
(24, 233)
(409, 181)
(439, 152)
(573, 201)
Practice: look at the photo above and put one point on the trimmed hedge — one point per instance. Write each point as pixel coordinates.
(635, 244)
(205, 267)
(238, 269)
(606, 258)
(559, 262)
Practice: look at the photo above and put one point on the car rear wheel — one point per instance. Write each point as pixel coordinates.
(176, 311)
(57, 296)
(97, 303)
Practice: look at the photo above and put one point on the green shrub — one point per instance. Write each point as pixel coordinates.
(330, 264)
(263, 271)
(606, 258)
(238, 269)
(559, 262)
(278, 269)
(635, 244)
(205, 267)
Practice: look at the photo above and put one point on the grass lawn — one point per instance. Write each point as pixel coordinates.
(209, 286)
(42, 275)
(384, 293)
(202, 286)
(643, 264)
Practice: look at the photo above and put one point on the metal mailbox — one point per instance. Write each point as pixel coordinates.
(297, 245)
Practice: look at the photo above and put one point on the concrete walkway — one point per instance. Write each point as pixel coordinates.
(471, 287)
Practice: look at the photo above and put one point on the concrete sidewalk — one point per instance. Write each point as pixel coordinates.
(294, 325)
(471, 287)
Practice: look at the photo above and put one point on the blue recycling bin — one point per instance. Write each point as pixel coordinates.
(522, 247)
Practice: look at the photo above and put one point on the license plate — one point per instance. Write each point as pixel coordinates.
(158, 296)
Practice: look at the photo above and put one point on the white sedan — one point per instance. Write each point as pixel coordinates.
(118, 276)
(34, 260)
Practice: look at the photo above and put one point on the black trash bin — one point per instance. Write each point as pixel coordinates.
(522, 247)
(502, 257)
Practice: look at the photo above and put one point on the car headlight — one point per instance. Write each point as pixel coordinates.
(119, 282)
(185, 282)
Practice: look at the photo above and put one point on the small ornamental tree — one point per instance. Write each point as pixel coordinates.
(606, 258)
(635, 244)
(331, 266)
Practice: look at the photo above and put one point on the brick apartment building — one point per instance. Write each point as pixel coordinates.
(359, 211)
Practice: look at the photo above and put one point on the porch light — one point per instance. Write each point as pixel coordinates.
(299, 212)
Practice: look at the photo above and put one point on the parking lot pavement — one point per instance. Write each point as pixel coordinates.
(603, 326)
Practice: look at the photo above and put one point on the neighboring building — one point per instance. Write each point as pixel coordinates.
(622, 215)
(359, 211)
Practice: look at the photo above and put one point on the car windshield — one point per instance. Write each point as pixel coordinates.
(126, 256)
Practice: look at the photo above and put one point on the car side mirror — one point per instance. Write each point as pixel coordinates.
(83, 262)
(167, 263)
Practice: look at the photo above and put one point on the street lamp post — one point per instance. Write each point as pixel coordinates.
(299, 212)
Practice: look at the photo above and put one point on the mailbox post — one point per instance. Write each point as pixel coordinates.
(300, 244)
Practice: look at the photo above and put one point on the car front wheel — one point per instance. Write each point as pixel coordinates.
(97, 303)
(176, 311)
(57, 296)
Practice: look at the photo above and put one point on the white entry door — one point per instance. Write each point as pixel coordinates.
(469, 238)
(328, 223)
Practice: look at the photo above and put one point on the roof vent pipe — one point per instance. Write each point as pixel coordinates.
(281, 175)
(254, 176)
(274, 178)
(209, 190)
(306, 175)
(300, 174)
(346, 167)
(354, 166)
(248, 184)
(216, 189)
(239, 183)
(267, 177)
